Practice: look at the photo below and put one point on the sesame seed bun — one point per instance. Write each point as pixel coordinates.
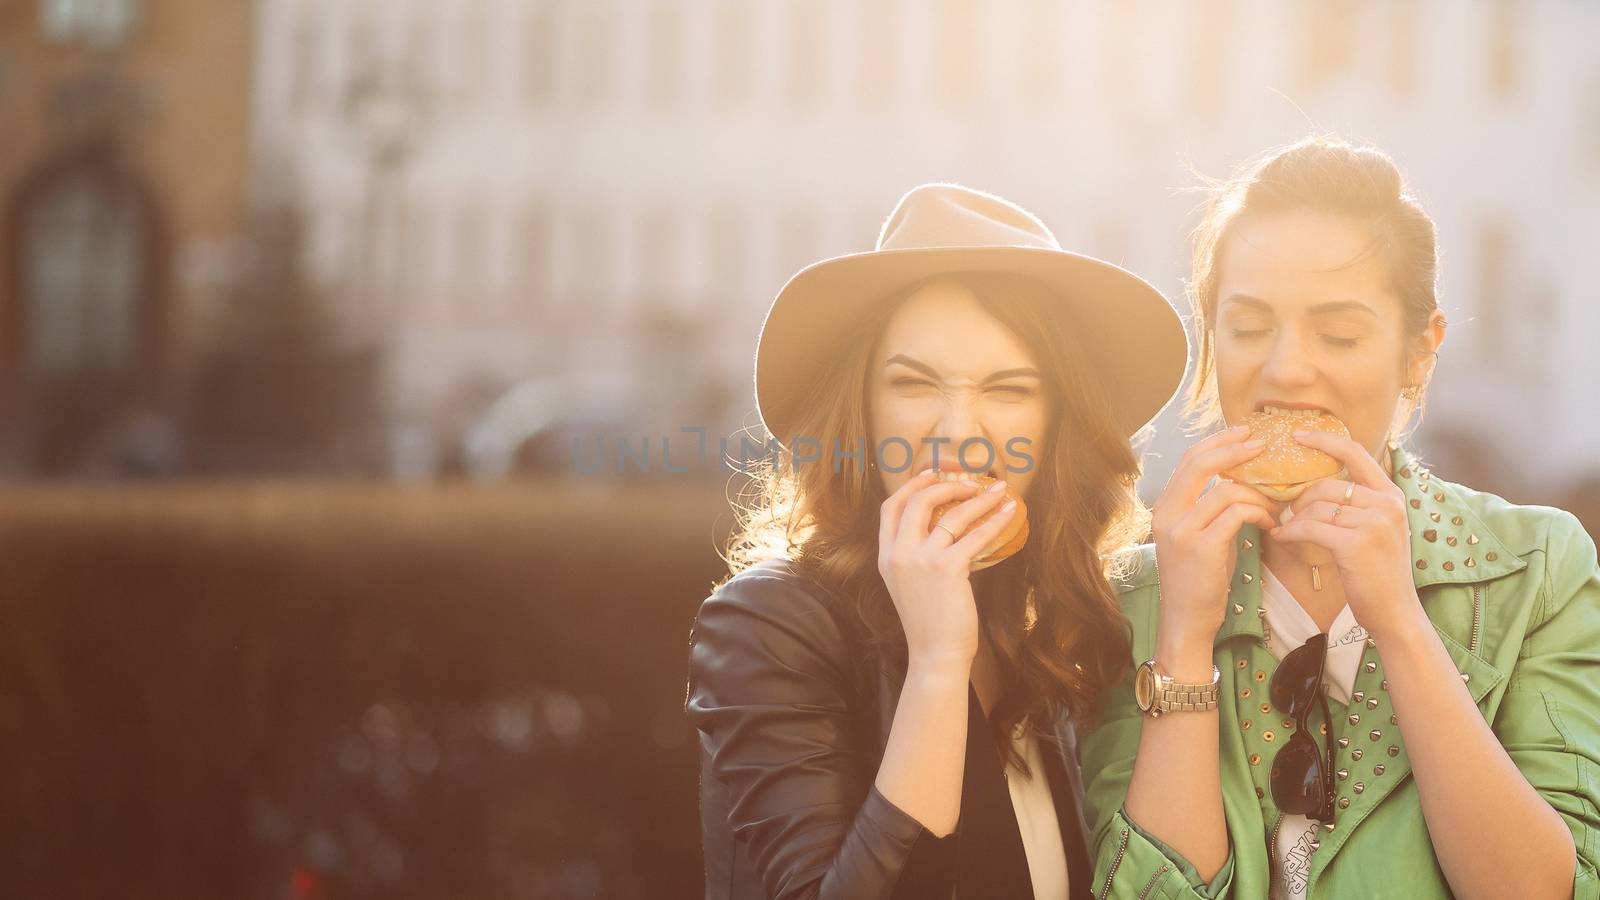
(1285, 468)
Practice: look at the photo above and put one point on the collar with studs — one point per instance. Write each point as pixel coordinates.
(1449, 545)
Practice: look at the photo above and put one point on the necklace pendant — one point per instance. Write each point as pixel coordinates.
(1316, 578)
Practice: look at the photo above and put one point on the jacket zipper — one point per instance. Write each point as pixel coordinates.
(1272, 852)
(1154, 876)
(1477, 617)
(1105, 889)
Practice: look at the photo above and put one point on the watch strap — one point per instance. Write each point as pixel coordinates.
(1176, 697)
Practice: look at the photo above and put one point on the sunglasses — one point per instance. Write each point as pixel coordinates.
(1301, 777)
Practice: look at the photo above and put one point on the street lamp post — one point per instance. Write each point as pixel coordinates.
(385, 107)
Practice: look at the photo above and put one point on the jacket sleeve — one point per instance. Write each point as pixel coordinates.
(1549, 720)
(1129, 862)
(768, 689)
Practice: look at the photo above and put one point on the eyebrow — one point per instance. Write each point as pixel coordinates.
(929, 371)
(1332, 306)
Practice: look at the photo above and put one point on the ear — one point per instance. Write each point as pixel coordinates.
(1425, 351)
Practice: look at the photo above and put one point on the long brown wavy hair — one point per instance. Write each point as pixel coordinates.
(1049, 613)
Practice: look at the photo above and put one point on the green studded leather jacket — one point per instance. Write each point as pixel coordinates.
(1514, 592)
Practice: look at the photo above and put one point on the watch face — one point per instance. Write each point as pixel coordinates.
(1144, 687)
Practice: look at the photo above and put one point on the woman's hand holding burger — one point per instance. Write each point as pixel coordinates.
(1367, 532)
(926, 568)
(1196, 532)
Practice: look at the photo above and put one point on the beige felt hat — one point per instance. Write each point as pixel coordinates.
(1137, 342)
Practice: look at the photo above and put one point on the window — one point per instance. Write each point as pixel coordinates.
(302, 66)
(732, 61)
(879, 46)
(1121, 75)
(539, 55)
(664, 37)
(1404, 50)
(660, 257)
(1494, 270)
(1329, 37)
(362, 45)
(1503, 65)
(1590, 118)
(1040, 36)
(531, 255)
(588, 269)
(807, 68)
(85, 244)
(416, 236)
(800, 237)
(469, 279)
(728, 273)
(1207, 28)
(419, 49)
(100, 22)
(955, 63)
(472, 59)
(596, 56)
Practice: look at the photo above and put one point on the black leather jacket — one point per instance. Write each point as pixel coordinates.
(793, 723)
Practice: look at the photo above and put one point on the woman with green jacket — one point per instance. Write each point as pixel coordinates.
(1389, 687)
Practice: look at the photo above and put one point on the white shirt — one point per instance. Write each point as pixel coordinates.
(1288, 627)
(1036, 820)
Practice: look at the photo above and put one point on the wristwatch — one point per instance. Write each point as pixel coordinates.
(1157, 693)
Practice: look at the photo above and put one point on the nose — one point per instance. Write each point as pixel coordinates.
(960, 421)
(1288, 363)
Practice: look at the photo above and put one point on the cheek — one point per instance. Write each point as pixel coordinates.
(1368, 375)
(890, 416)
(1369, 390)
(1234, 368)
(1021, 439)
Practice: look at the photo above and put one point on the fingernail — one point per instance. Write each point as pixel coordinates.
(925, 471)
(1008, 506)
(1239, 429)
(997, 486)
(1301, 434)
(1255, 443)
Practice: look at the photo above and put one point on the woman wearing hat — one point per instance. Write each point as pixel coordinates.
(1401, 674)
(877, 719)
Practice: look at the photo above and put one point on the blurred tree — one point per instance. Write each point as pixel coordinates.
(283, 389)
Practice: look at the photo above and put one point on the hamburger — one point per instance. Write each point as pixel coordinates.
(1011, 537)
(1285, 467)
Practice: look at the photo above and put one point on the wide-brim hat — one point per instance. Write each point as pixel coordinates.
(1135, 339)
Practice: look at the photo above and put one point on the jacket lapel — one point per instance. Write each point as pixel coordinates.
(1453, 554)
(1066, 790)
(1449, 545)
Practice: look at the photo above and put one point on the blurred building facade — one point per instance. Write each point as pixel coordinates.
(605, 194)
(122, 175)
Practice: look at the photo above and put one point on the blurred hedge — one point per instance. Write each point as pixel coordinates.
(337, 690)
